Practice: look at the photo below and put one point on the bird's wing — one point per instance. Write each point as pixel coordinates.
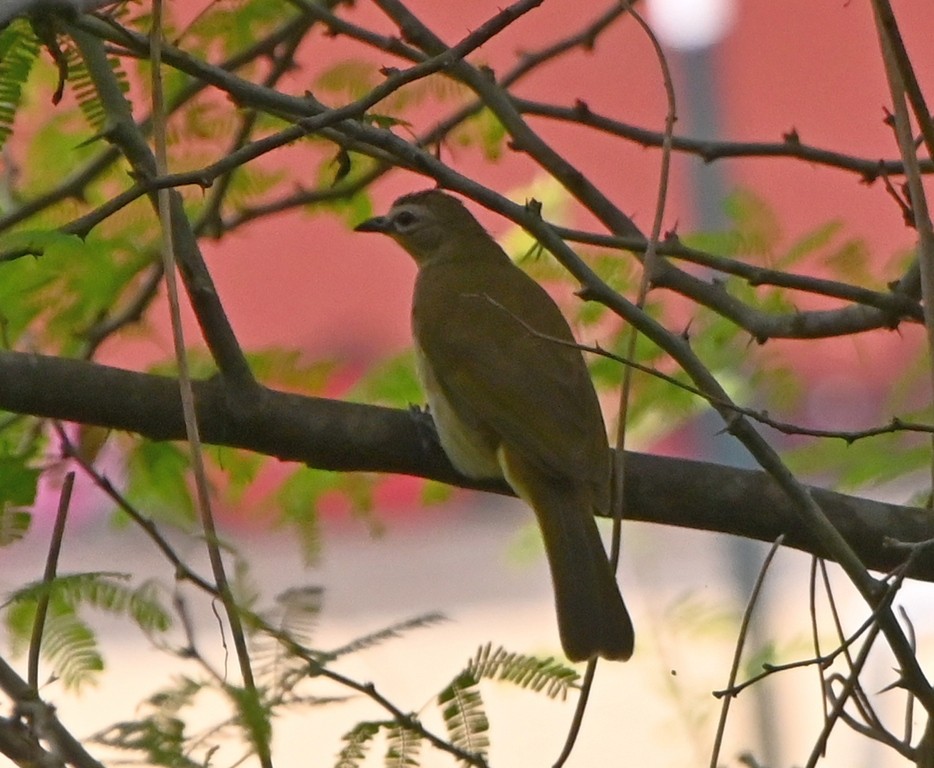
(499, 349)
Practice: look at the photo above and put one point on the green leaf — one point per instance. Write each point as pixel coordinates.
(754, 221)
(530, 672)
(351, 208)
(390, 382)
(160, 738)
(239, 467)
(391, 632)
(356, 743)
(350, 78)
(463, 711)
(231, 27)
(70, 646)
(85, 91)
(726, 243)
(67, 287)
(298, 498)
(809, 243)
(14, 523)
(851, 260)
(253, 717)
(404, 746)
(301, 609)
(19, 49)
(286, 368)
(40, 242)
(158, 482)
(865, 463)
(484, 130)
(103, 590)
(434, 492)
(18, 481)
(385, 121)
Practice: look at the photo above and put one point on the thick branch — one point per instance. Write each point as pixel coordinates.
(342, 436)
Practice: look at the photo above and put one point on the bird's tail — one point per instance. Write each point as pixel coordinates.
(592, 617)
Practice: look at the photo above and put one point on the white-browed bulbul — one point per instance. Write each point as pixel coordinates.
(511, 401)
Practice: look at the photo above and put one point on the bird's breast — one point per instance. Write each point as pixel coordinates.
(472, 451)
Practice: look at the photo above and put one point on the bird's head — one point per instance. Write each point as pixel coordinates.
(432, 226)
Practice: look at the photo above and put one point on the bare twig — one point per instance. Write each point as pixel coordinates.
(894, 57)
(51, 568)
(738, 653)
(258, 731)
(711, 150)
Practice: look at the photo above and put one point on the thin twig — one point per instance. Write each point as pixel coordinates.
(51, 568)
(259, 733)
(180, 569)
(891, 45)
(815, 631)
(710, 150)
(899, 60)
(859, 695)
(649, 266)
(577, 720)
(839, 702)
(738, 652)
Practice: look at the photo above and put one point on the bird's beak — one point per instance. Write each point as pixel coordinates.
(376, 224)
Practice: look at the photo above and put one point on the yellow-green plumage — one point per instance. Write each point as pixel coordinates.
(511, 400)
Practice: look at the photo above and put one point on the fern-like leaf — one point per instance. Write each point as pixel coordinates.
(464, 716)
(68, 643)
(274, 661)
(548, 675)
(404, 747)
(86, 92)
(391, 632)
(160, 739)
(19, 48)
(14, 523)
(70, 646)
(356, 742)
(160, 735)
(103, 590)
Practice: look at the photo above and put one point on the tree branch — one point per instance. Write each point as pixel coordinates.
(710, 150)
(342, 436)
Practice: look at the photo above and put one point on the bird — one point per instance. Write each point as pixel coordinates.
(512, 399)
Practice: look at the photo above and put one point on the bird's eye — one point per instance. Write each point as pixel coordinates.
(405, 219)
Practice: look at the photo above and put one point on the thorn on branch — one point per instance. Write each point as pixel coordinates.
(791, 138)
(534, 207)
(901, 198)
(344, 166)
(581, 108)
(425, 427)
(585, 293)
(869, 177)
(44, 29)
